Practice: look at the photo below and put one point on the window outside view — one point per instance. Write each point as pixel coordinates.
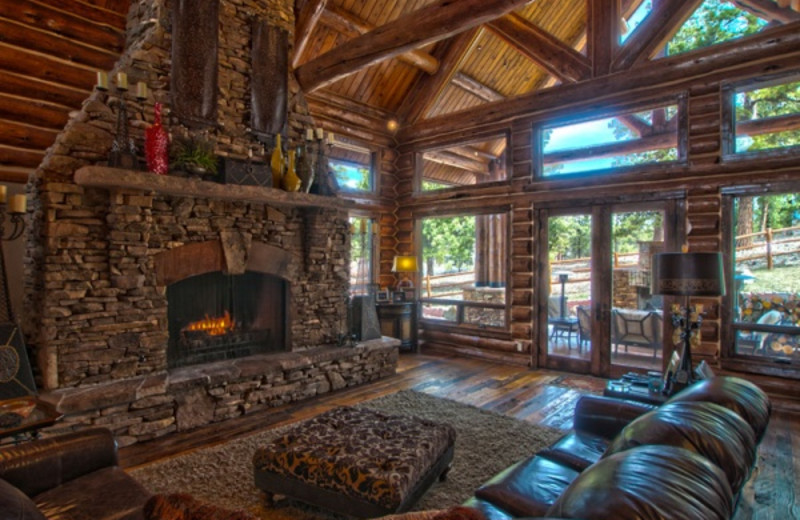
(464, 270)
(361, 254)
(767, 276)
(766, 118)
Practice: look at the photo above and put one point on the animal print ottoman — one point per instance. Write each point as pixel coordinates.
(356, 461)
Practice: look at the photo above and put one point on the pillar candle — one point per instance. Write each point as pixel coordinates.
(331, 138)
(17, 204)
(122, 81)
(141, 90)
(320, 133)
(309, 134)
(102, 80)
(3, 193)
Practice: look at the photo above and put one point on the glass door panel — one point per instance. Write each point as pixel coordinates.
(637, 317)
(570, 288)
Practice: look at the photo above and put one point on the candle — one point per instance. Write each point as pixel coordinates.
(122, 81)
(320, 133)
(102, 80)
(309, 134)
(363, 225)
(141, 90)
(3, 193)
(330, 138)
(18, 204)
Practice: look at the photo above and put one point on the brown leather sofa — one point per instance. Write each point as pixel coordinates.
(69, 477)
(686, 459)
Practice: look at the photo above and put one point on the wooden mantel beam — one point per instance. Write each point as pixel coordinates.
(437, 21)
(349, 24)
(542, 47)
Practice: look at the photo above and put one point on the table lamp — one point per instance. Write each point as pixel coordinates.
(405, 265)
(687, 274)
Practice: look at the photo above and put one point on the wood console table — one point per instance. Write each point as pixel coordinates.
(399, 320)
(32, 415)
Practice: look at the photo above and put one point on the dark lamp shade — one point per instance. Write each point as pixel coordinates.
(404, 264)
(688, 274)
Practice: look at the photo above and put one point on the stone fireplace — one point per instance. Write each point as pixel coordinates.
(121, 264)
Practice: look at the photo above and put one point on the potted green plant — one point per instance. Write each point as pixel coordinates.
(193, 155)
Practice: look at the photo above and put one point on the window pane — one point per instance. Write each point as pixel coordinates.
(361, 249)
(352, 166)
(464, 165)
(767, 276)
(645, 137)
(464, 269)
(767, 117)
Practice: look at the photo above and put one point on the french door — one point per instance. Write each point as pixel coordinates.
(597, 314)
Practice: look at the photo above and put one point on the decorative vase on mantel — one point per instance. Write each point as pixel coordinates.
(305, 168)
(290, 181)
(156, 145)
(276, 163)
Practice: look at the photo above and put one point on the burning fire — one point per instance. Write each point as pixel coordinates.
(213, 326)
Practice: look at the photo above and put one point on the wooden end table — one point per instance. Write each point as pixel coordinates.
(22, 417)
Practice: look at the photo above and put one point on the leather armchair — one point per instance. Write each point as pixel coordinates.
(70, 477)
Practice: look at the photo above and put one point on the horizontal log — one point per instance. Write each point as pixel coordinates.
(457, 161)
(15, 174)
(36, 40)
(768, 125)
(476, 88)
(703, 204)
(43, 17)
(20, 158)
(35, 89)
(91, 13)
(33, 112)
(652, 142)
(22, 135)
(20, 61)
(514, 358)
(468, 340)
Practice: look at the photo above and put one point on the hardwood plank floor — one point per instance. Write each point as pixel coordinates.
(529, 395)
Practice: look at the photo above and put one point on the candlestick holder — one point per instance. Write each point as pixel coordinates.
(123, 150)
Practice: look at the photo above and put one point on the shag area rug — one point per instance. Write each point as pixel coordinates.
(486, 443)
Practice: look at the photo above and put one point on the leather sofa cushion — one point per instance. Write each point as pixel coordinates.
(708, 429)
(15, 505)
(647, 483)
(104, 494)
(529, 487)
(577, 449)
(739, 395)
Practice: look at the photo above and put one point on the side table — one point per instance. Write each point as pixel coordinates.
(399, 320)
(621, 389)
(23, 417)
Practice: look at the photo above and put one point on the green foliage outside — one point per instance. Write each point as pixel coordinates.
(351, 176)
(448, 244)
(763, 103)
(715, 21)
(570, 237)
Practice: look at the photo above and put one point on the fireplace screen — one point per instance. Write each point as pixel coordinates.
(215, 316)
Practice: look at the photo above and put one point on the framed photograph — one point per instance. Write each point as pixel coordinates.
(410, 294)
(382, 296)
(399, 296)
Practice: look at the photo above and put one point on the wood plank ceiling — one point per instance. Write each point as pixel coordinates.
(400, 60)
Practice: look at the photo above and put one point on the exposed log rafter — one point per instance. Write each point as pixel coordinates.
(437, 21)
(768, 10)
(305, 22)
(542, 47)
(476, 88)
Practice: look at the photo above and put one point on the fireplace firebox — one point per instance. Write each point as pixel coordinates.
(216, 316)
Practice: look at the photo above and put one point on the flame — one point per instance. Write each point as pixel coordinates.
(213, 326)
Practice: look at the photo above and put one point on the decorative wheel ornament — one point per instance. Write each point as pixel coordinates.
(9, 363)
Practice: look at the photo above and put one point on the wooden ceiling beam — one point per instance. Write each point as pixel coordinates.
(434, 22)
(655, 30)
(305, 22)
(476, 88)
(542, 47)
(429, 88)
(602, 27)
(352, 26)
(635, 125)
(768, 10)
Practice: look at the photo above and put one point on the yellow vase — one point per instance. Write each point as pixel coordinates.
(291, 182)
(276, 163)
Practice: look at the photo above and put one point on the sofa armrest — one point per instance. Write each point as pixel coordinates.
(606, 416)
(37, 466)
